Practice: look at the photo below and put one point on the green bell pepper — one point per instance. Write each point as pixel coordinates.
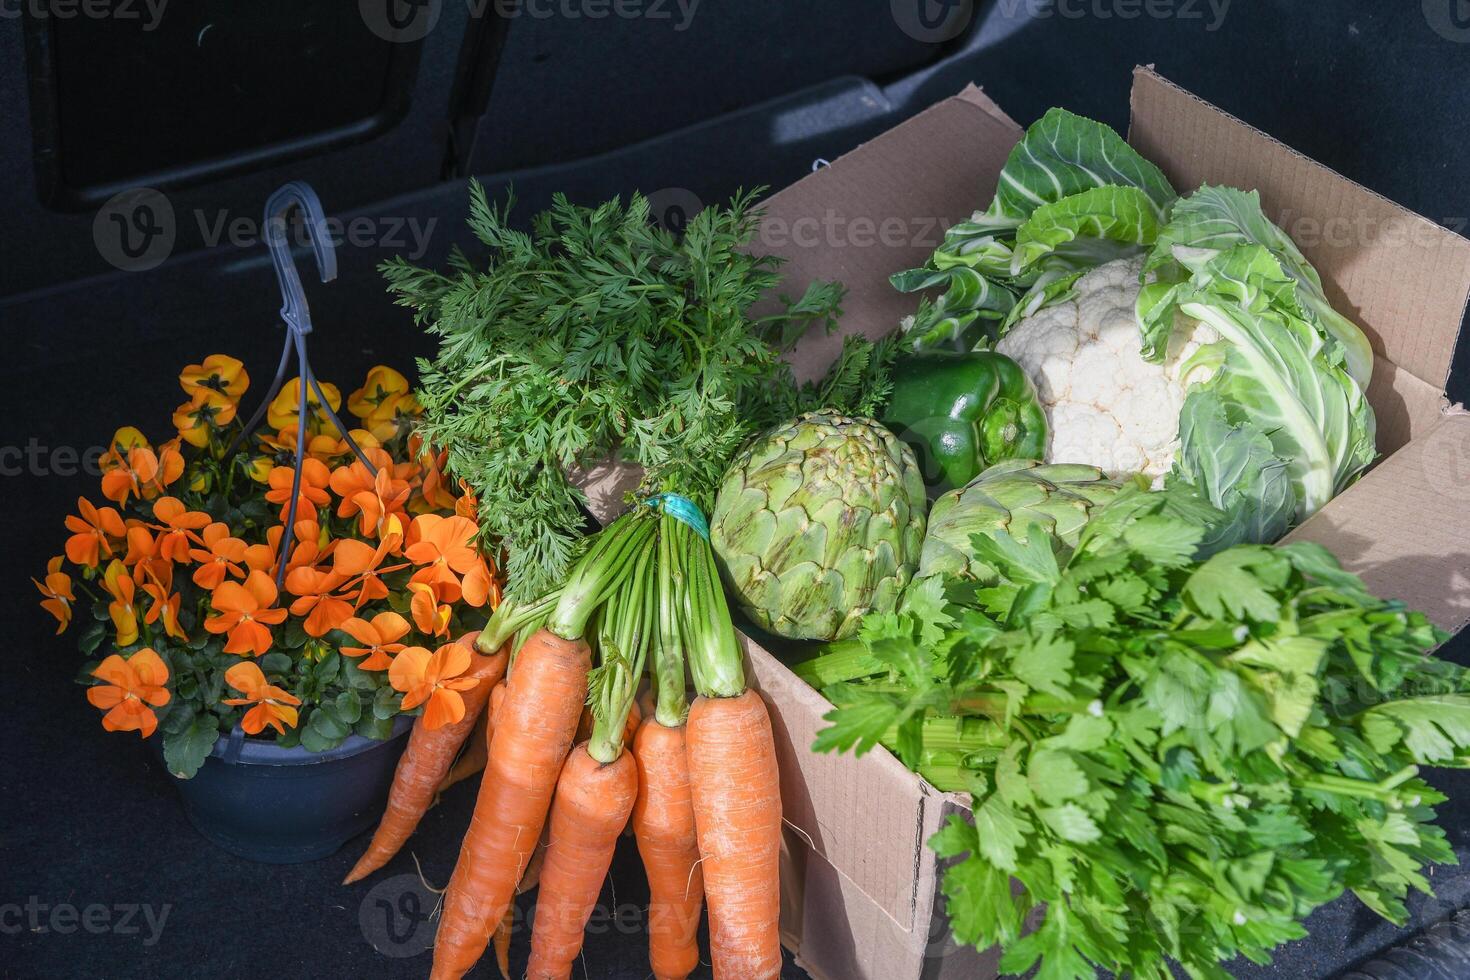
(962, 412)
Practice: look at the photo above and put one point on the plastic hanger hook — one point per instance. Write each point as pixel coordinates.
(297, 194)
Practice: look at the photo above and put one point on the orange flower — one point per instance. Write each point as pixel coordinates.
(373, 499)
(431, 618)
(315, 478)
(384, 402)
(283, 411)
(221, 555)
(315, 588)
(178, 524)
(121, 609)
(481, 585)
(358, 558)
(91, 533)
(246, 612)
(204, 412)
(443, 546)
(131, 686)
(166, 602)
(433, 680)
(57, 594)
(380, 636)
(434, 492)
(142, 545)
(273, 706)
(468, 505)
(219, 373)
(128, 465)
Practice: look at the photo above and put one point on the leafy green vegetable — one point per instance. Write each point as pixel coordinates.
(1071, 196)
(1179, 759)
(599, 333)
(1215, 219)
(1280, 406)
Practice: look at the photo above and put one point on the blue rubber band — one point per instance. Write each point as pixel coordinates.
(681, 508)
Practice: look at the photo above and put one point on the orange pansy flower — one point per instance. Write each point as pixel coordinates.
(315, 478)
(283, 411)
(219, 373)
(166, 602)
(130, 687)
(384, 402)
(57, 593)
(443, 546)
(430, 617)
(315, 588)
(434, 493)
(122, 610)
(373, 499)
(91, 533)
(273, 706)
(432, 679)
(221, 555)
(128, 467)
(204, 412)
(379, 636)
(246, 612)
(178, 524)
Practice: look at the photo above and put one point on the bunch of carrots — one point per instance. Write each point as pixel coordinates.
(697, 782)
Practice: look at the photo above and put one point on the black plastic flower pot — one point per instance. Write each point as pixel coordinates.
(284, 806)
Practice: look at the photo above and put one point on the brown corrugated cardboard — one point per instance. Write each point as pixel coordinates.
(861, 897)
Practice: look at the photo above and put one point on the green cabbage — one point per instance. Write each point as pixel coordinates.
(1214, 219)
(1281, 426)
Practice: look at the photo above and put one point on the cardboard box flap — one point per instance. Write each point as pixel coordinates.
(883, 208)
(1404, 279)
(1405, 527)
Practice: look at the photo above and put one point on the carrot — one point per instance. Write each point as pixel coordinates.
(736, 795)
(537, 718)
(663, 817)
(529, 741)
(734, 787)
(506, 930)
(423, 766)
(663, 821)
(472, 760)
(593, 800)
(597, 787)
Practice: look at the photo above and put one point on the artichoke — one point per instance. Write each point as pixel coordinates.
(818, 522)
(1012, 496)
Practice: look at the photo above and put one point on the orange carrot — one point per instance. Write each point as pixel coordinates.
(424, 764)
(472, 759)
(663, 820)
(528, 743)
(506, 929)
(737, 815)
(733, 784)
(592, 804)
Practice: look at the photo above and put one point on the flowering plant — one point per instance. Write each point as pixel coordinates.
(197, 622)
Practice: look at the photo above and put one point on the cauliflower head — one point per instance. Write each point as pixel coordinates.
(1107, 406)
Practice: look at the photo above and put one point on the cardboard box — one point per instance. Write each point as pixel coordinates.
(860, 885)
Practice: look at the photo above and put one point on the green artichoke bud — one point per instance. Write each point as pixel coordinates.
(819, 522)
(1012, 496)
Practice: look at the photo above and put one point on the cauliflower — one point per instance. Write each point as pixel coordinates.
(1105, 404)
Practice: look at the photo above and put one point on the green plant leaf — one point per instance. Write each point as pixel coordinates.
(185, 750)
